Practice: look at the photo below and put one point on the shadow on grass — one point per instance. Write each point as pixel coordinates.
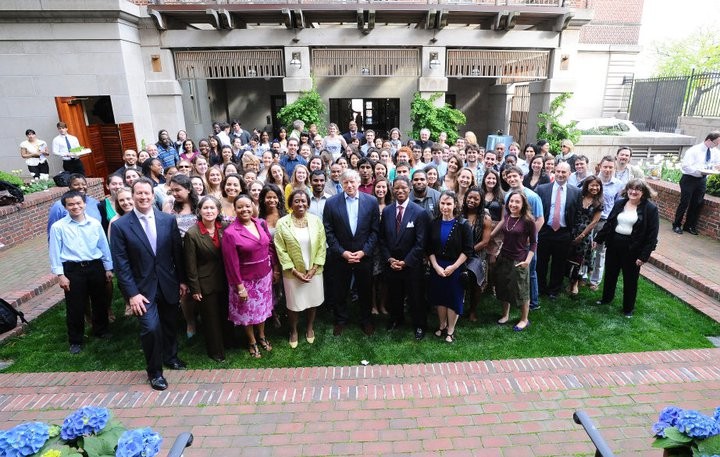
(562, 327)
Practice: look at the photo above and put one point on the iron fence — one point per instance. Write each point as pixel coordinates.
(656, 103)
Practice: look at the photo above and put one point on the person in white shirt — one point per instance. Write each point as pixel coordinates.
(697, 162)
(61, 146)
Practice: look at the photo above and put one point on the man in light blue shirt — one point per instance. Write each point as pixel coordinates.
(80, 257)
(611, 190)
(58, 211)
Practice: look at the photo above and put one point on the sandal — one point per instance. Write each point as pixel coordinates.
(593, 287)
(450, 338)
(265, 344)
(254, 351)
(441, 332)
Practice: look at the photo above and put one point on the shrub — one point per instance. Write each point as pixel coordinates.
(12, 178)
(551, 129)
(424, 114)
(308, 108)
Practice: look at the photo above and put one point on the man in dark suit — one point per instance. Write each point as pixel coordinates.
(353, 133)
(402, 245)
(560, 203)
(351, 221)
(147, 255)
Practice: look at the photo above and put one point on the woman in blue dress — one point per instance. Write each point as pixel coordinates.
(450, 245)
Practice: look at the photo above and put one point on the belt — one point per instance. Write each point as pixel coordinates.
(82, 263)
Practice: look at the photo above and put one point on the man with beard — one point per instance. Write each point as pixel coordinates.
(422, 194)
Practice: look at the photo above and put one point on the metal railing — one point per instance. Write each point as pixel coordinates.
(183, 441)
(230, 64)
(365, 62)
(510, 66)
(530, 3)
(601, 447)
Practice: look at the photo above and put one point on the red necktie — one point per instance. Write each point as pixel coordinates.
(398, 219)
(556, 211)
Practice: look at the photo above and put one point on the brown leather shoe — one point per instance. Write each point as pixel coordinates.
(338, 329)
(368, 329)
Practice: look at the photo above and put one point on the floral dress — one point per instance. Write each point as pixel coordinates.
(581, 253)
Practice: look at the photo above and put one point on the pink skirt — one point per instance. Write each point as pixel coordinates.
(258, 306)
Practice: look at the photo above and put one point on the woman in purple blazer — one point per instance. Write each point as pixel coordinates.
(251, 269)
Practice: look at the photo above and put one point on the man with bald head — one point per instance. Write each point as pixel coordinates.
(560, 203)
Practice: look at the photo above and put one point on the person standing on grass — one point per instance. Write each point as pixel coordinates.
(80, 257)
(611, 189)
(630, 235)
(147, 253)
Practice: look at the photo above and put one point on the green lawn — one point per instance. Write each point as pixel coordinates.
(564, 327)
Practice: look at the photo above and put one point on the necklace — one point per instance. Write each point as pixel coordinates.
(507, 223)
(299, 223)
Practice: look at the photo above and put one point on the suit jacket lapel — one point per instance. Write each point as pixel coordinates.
(137, 228)
(344, 213)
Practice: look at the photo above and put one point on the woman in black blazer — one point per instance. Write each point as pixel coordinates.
(450, 245)
(630, 235)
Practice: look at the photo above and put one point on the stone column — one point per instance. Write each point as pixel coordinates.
(297, 78)
(500, 108)
(432, 79)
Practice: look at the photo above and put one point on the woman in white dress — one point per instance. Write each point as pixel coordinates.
(300, 246)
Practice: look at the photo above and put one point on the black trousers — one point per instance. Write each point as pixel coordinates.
(692, 192)
(552, 253)
(158, 334)
(340, 273)
(37, 170)
(407, 284)
(74, 166)
(87, 283)
(619, 259)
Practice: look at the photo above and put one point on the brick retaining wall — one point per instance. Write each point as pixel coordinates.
(668, 198)
(21, 222)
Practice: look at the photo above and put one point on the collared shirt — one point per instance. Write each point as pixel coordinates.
(576, 180)
(402, 205)
(59, 146)
(367, 188)
(441, 167)
(317, 204)
(611, 191)
(58, 211)
(694, 160)
(289, 164)
(168, 156)
(429, 201)
(351, 204)
(73, 241)
(563, 200)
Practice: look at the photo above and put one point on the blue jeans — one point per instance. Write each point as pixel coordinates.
(534, 294)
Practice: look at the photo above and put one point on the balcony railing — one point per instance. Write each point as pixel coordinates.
(529, 3)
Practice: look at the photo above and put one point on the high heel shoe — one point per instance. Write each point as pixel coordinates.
(293, 344)
(310, 339)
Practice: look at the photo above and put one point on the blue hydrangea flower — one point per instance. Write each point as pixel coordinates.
(696, 425)
(24, 439)
(83, 422)
(669, 415)
(141, 442)
(659, 427)
(716, 416)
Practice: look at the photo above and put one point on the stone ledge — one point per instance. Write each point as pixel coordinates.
(668, 199)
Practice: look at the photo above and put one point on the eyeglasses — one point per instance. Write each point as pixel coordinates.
(183, 166)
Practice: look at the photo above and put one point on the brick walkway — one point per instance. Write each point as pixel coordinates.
(488, 408)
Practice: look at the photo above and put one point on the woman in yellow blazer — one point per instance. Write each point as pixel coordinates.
(300, 246)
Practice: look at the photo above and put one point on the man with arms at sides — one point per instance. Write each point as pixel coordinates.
(130, 158)
(319, 196)
(367, 181)
(701, 157)
(147, 254)
(80, 257)
(513, 176)
(292, 159)
(423, 195)
(61, 146)
(560, 203)
(611, 189)
(624, 171)
(402, 244)
(351, 221)
(333, 186)
(581, 171)
(353, 133)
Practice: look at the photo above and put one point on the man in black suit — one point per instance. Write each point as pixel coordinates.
(147, 255)
(560, 203)
(351, 221)
(353, 133)
(402, 245)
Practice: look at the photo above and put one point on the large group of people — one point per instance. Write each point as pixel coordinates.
(246, 230)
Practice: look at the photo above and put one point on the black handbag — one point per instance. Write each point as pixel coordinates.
(9, 316)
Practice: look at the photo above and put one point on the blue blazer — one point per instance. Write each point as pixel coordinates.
(337, 226)
(137, 269)
(407, 244)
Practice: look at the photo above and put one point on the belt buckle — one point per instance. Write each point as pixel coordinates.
(85, 263)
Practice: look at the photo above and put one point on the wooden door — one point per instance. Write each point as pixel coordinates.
(71, 111)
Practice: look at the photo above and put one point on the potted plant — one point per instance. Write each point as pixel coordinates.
(687, 433)
(88, 432)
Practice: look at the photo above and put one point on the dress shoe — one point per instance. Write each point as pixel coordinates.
(692, 231)
(293, 344)
(310, 339)
(678, 230)
(218, 358)
(158, 383)
(176, 364)
(75, 349)
(338, 329)
(629, 314)
(534, 307)
(368, 329)
(419, 334)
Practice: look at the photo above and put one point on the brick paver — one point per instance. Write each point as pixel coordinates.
(25, 271)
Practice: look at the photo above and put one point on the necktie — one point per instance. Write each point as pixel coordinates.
(398, 218)
(149, 227)
(556, 210)
(338, 188)
(707, 156)
(67, 142)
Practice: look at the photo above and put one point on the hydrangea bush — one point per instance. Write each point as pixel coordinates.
(687, 433)
(87, 432)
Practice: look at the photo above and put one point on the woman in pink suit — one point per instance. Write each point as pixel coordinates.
(251, 269)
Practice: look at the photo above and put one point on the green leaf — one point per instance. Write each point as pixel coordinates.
(674, 434)
(710, 446)
(100, 445)
(667, 443)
